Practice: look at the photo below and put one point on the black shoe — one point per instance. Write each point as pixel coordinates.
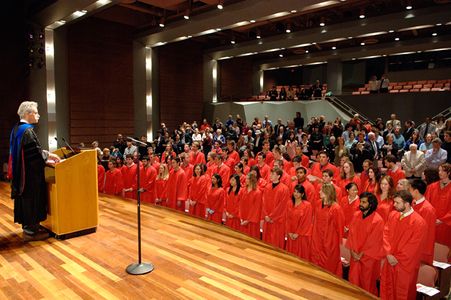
(38, 236)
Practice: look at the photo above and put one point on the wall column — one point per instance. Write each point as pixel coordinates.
(334, 76)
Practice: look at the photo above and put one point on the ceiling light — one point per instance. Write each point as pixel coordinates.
(396, 38)
(252, 21)
(186, 17)
(434, 34)
(391, 31)
(294, 11)
(349, 37)
(409, 7)
(220, 4)
(354, 58)
(288, 30)
(306, 51)
(438, 24)
(232, 42)
(362, 16)
(334, 48)
(314, 43)
(280, 55)
(322, 24)
(362, 44)
(161, 24)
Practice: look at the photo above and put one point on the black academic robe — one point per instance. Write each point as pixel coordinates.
(28, 187)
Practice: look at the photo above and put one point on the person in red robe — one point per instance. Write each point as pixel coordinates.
(177, 186)
(276, 199)
(286, 178)
(168, 153)
(262, 166)
(239, 170)
(197, 157)
(261, 183)
(439, 194)
(129, 177)
(153, 158)
(350, 204)
(220, 168)
(328, 232)
(311, 195)
(161, 185)
(347, 176)
(371, 184)
(417, 188)
(147, 181)
(197, 195)
(299, 226)
(364, 175)
(364, 241)
(327, 179)
(393, 170)
(268, 155)
(113, 179)
(232, 202)
(385, 197)
(232, 156)
(250, 206)
(316, 172)
(100, 178)
(215, 200)
(283, 163)
(404, 235)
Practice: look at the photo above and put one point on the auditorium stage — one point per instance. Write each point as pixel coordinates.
(193, 258)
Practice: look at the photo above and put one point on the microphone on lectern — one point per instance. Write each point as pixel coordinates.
(59, 145)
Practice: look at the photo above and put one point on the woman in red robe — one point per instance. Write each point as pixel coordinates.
(439, 195)
(161, 185)
(350, 204)
(328, 232)
(372, 183)
(231, 205)
(239, 170)
(147, 181)
(215, 199)
(261, 182)
(299, 224)
(198, 191)
(347, 175)
(113, 179)
(385, 197)
(250, 207)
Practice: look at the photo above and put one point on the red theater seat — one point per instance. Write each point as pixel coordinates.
(425, 90)
(365, 92)
(394, 91)
(408, 87)
(356, 93)
(418, 86)
(414, 90)
(404, 91)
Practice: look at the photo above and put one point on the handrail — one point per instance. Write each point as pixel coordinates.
(349, 110)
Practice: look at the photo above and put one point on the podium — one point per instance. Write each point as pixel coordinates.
(73, 206)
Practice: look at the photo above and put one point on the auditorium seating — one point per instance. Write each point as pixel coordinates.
(411, 87)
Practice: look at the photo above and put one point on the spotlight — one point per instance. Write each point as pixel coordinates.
(161, 23)
(334, 48)
(434, 34)
(362, 14)
(288, 30)
(409, 7)
(233, 42)
(322, 22)
(280, 55)
(220, 4)
(362, 44)
(396, 38)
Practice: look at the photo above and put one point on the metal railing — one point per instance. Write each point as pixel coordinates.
(349, 110)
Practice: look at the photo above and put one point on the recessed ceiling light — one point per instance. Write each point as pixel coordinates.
(220, 5)
(333, 47)
(314, 43)
(396, 38)
(408, 7)
(349, 37)
(294, 11)
(280, 55)
(362, 16)
(353, 58)
(258, 36)
(252, 21)
(232, 42)
(434, 34)
(438, 24)
(288, 30)
(186, 17)
(391, 31)
(362, 44)
(384, 55)
(306, 51)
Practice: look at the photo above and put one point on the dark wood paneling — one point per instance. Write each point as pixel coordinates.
(100, 89)
(180, 83)
(236, 78)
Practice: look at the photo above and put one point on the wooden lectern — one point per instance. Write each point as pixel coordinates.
(73, 199)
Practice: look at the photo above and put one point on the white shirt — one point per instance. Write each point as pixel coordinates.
(419, 201)
(406, 214)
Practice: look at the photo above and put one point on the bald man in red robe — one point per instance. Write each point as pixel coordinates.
(276, 198)
(404, 236)
(427, 212)
(177, 187)
(439, 194)
(364, 241)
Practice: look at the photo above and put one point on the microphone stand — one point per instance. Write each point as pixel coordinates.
(139, 268)
(62, 151)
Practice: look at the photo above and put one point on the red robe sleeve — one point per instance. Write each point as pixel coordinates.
(281, 200)
(182, 186)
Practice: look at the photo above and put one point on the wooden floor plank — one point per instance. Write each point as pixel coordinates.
(193, 258)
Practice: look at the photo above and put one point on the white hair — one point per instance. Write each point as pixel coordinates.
(26, 107)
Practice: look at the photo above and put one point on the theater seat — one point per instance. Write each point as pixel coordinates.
(427, 85)
(422, 82)
(418, 86)
(407, 87)
(432, 81)
(414, 90)
(412, 82)
(393, 91)
(427, 275)
(362, 89)
(356, 93)
(435, 89)
(402, 83)
(438, 85)
(365, 92)
(425, 90)
(403, 91)
(397, 87)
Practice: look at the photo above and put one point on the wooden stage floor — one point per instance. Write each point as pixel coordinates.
(193, 258)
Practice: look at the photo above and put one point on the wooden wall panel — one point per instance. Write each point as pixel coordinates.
(100, 75)
(236, 78)
(180, 83)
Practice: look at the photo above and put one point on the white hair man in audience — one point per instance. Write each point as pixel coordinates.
(413, 162)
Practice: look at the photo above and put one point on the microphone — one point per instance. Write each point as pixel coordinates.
(67, 144)
(59, 145)
(136, 141)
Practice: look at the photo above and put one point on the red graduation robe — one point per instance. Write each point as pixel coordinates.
(366, 235)
(198, 192)
(249, 209)
(264, 171)
(440, 199)
(232, 159)
(300, 221)
(129, 180)
(215, 202)
(396, 175)
(275, 205)
(177, 189)
(231, 208)
(403, 238)
(349, 209)
(317, 170)
(197, 158)
(147, 181)
(343, 182)
(427, 212)
(310, 192)
(113, 182)
(384, 207)
(161, 190)
(326, 238)
(100, 178)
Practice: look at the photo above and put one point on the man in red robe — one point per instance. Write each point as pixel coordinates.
(147, 180)
(404, 236)
(310, 192)
(113, 179)
(177, 186)
(129, 177)
(393, 170)
(232, 156)
(197, 157)
(262, 166)
(439, 194)
(364, 241)
(427, 211)
(317, 169)
(276, 198)
(220, 168)
(269, 157)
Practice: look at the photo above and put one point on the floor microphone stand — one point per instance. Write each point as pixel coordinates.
(139, 268)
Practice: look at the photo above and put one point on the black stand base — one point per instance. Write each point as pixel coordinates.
(139, 269)
(72, 234)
